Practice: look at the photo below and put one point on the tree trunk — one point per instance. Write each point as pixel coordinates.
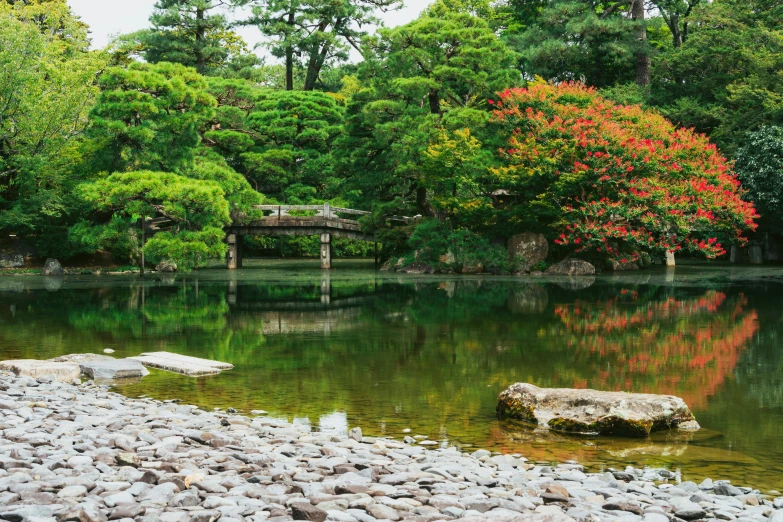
(201, 60)
(674, 27)
(422, 203)
(289, 58)
(317, 58)
(434, 100)
(642, 58)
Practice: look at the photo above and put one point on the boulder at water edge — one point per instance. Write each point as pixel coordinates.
(52, 267)
(418, 268)
(531, 248)
(571, 267)
(166, 266)
(593, 411)
(619, 266)
(11, 261)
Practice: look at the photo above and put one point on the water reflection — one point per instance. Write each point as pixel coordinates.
(431, 355)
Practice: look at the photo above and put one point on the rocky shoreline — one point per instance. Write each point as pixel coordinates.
(78, 452)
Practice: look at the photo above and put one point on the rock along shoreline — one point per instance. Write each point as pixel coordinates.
(81, 453)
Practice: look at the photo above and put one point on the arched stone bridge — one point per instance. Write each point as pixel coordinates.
(301, 220)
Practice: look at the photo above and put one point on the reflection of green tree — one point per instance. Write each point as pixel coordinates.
(162, 314)
(177, 319)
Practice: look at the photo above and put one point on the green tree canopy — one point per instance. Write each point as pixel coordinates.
(725, 79)
(194, 33)
(278, 139)
(428, 74)
(153, 117)
(148, 117)
(578, 40)
(197, 212)
(53, 18)
(47, 86)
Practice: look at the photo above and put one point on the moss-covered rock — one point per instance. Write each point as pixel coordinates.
(593, 411)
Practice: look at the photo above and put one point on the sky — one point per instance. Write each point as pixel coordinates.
(109, 18)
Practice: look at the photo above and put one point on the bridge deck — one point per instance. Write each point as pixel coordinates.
(327, 222)
(302, 226)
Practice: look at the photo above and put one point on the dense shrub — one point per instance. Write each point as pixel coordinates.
(760, 168)
(432, 242)
(613, 180)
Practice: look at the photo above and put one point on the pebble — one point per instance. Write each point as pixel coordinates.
(86, 454)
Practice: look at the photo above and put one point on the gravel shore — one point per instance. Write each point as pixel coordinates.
(80, 453)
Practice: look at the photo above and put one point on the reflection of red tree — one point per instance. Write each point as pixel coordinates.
(686, 347)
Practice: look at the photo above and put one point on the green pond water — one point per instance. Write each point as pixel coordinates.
(354, 347)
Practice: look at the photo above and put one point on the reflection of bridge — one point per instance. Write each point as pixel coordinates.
(301, 220)
(326, 303)
(301, 315)
(317, 321)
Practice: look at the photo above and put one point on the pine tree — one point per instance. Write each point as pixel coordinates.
(601, 43)
(194, 33)
(317, 31)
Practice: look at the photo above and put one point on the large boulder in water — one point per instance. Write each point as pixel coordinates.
(595, 412)
(52, 267)
(571, 267)
(532, 248)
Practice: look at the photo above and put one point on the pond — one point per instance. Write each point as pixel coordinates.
(355, 347)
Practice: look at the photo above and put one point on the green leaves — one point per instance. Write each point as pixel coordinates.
(573, 40)
(276, 138)
(149, 117)
(152, 117)
(47, 85)
(430, 75)
(197, 211)
(760, 168)
(319, 31)
(725, 78)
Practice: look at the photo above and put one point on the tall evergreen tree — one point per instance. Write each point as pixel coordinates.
(431, 74)
(314, 31)
(599, 42)
(195, 33)
(725, 78)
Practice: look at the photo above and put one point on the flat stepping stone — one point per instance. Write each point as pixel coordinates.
(184, 364)
(106, 369)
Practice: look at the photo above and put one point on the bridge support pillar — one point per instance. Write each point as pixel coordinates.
(234, 258)
(326, 251)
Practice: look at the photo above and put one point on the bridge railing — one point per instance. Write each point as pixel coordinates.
(326, 211)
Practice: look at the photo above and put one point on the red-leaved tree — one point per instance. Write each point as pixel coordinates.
(622, 180)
